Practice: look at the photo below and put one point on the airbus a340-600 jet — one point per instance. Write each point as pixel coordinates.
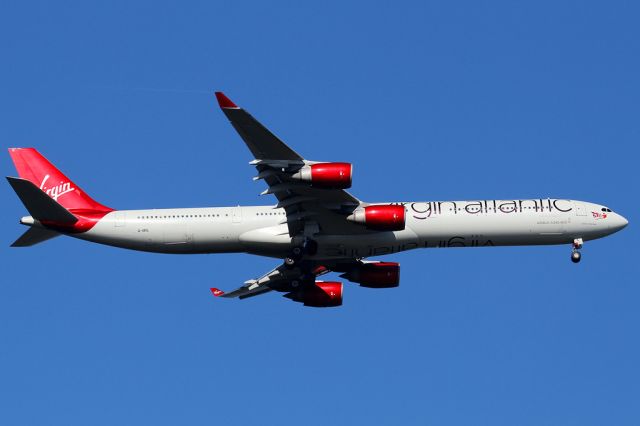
(316, 226)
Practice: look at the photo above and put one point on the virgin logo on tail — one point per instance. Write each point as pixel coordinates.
(57, 190)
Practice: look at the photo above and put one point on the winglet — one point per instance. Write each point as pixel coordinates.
(216, 292)
(224, 102)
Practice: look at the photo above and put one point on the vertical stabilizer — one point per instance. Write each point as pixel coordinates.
(32, 166)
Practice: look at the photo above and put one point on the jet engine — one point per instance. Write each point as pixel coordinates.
(326, 175)
(322, 294)
(375, 274)
(389, 217)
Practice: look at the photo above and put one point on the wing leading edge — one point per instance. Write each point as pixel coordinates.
(261, 142)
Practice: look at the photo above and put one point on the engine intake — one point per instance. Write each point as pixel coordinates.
(326, 175)
(375, 274)
(322, 294)
(380, 217)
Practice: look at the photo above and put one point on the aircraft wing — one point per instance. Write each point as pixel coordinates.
(309, 210)
(260, 141)
(280, 279)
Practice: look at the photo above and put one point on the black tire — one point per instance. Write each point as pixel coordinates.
(576, 257)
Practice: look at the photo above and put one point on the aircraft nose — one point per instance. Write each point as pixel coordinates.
(625, 222)
(619, 223)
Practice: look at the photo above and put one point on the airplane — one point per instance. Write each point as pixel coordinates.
(315, 228)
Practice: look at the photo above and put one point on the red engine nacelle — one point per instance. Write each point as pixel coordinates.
(326, 175)
(380, 217)
(375, 274)
(322, 294)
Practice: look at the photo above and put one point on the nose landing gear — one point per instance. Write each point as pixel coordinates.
(575, 253)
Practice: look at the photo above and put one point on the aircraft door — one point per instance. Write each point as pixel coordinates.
(119, 218)
(583, 215)
(580, 208)
(236, 214)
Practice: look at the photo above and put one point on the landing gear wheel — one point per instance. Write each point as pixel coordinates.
(576, 256)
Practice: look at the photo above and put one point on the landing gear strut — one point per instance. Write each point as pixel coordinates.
(294, 257)
(575, 253)
(309, 246)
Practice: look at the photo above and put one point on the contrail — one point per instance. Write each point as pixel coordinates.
(153, 89)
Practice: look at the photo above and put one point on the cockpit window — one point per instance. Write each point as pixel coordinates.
(605, 209)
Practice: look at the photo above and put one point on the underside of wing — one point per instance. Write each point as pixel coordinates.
(298, 284)
(247, 290)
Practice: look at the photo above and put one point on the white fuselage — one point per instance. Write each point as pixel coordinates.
(263, 230)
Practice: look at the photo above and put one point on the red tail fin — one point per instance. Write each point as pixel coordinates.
(31, 165)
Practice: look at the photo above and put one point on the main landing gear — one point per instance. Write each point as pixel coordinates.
(575, 253)
(290, 261)
(308, 247)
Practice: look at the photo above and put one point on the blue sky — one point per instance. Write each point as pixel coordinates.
(431, 101)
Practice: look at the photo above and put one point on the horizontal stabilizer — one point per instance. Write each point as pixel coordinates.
(34, 236)
(41, 206)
